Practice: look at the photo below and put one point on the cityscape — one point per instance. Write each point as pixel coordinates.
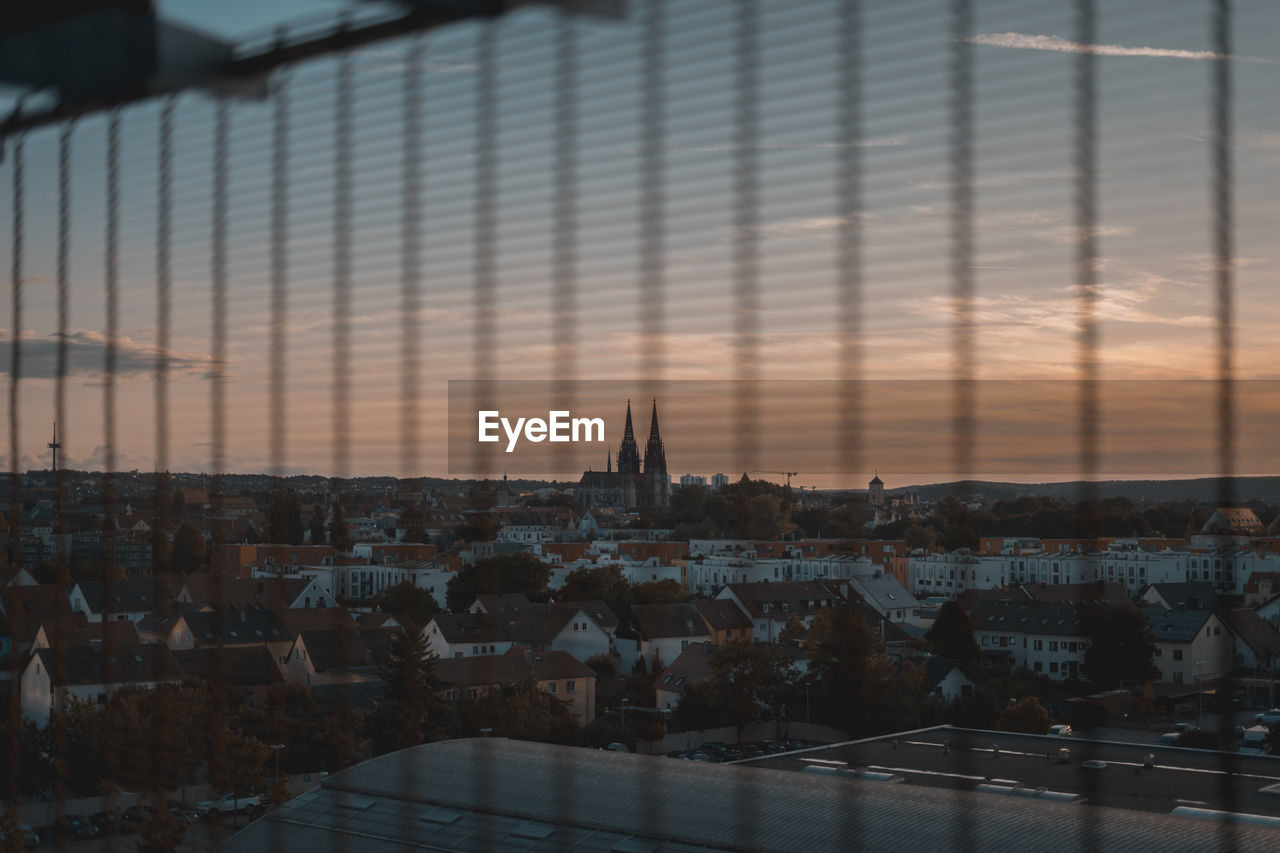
(639, 426)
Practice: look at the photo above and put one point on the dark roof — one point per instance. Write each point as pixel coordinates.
(125, 665)
(335, 649)
(1029, 617)
(26, 607)
(233, 627)
(294, 621)
(783, 597)
(692, 665)
(267, 593)
(1102, 592)
(509, 794)
(540, 623)
(1194, 594)
(937, 668)
(70, 632)
(1175, 626)
(510, 668)
(128, 596)
(243, 666)
(722, 614)
(669, 620)
(472, 627)
(510, 603)
(597, 610)
(1254, 630)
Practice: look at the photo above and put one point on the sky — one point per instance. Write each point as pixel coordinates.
(1156, 308)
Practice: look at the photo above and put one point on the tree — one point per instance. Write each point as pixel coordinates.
(408, 604)
(860, 688)
(523, 711)
(918, 537)
(189, 552)
(411, 711)
(659, 592)
(606, 584)
(339, 535)
(750, 679)
(1120, 646)
(160, 832)
(242, 761)
(506, 573)
(604, 665)
(1027, 716)
(316, 525)
(951, 634)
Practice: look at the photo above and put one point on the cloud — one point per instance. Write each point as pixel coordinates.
(1070, 235)
(86, 355)
(797, 227)
(1025, 41)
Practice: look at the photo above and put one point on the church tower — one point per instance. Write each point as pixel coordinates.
(629, 452)
(657, 480)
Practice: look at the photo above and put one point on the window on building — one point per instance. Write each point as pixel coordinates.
(571, 687)
(1053, 666)
(1177, 654)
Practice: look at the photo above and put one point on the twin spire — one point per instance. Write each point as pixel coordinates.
(629, 453)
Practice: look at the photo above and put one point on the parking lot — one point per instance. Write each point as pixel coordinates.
(716, 752)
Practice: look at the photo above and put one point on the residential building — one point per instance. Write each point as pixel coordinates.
(90, 675)
(1192, 646)
(558, 673)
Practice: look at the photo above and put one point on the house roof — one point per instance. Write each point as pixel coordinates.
(138, 596)
(233, 627)
(1102, 592)
(1236, 518)
(783, 597)
(884, 592)
(124, 665)
(597, 610)
(335, 649)
(472, 628)
(937, 668)
(1029, 617)
(1194, 594)
(243, 666)
(295, 621)
(722, 614)
(1175, 626)
(541, 624)
(1255, 631)
(692, 665)
(267, 593)
(512, 667)
(509, 603)
(669, 620)
(70, 632)
(26, 607)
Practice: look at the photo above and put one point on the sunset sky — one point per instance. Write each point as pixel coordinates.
(1157, 309)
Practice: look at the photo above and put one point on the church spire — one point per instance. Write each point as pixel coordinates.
(655, 456)
(629, 452)
(653, 424)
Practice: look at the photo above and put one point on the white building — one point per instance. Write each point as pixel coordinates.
(1049, 639)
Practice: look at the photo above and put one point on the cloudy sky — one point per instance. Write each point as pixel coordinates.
(1154, 63)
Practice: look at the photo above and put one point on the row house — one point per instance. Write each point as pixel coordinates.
(771, 605)
(558, 673)
(1047, 638)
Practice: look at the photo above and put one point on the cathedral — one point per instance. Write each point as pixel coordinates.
(630, 486)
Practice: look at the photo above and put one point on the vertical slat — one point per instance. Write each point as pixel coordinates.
(1223, 235)
(746, 287)
(653, 192)
(746, 255)
(960, 150)
(1084, 162)
(411, 260)
(111, 748)
(849, 281)
(15, 476)
(279, 275)
(342, 269)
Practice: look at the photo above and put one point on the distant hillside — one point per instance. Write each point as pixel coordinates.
(1204, 489)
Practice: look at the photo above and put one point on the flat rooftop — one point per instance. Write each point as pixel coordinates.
(1186, 777)
(497, 794)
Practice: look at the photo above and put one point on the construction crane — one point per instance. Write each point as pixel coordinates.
(787, 474)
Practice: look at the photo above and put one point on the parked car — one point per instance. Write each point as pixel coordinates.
(1060, 730)
(1184, 727)
(229, 804)
(75, 827)
(184, 812)
(113, 823)
(137, 814)
(1268, 718)
(25, 835)
(1169, 739)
